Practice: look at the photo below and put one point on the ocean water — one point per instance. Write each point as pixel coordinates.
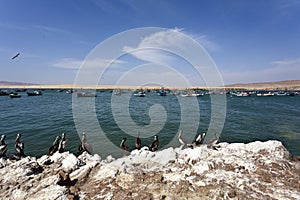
(41, 118)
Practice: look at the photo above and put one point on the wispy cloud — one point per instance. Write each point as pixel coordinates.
(152, 48)
(49, 29)
(35, 27)
(67, 63)
(90, 64)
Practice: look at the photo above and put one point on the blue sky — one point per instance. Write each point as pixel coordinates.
(250, 41)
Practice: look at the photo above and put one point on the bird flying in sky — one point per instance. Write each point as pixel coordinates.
(15, 56)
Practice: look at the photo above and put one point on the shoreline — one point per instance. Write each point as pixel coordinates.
(257, 170)
(112, 87)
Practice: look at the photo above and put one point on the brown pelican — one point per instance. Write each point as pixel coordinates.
(123, 146)
(3, 146)
(54, 146)
(15, 56)
(62, 143)
(155, 143)
(212, 143)
(180, 139)
(84, 146)
(199, 139)
(138, 143)
(19, 146)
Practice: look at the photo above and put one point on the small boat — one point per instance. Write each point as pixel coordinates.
(265, 94)
(281, 94)
(4, 93)
(117, 92)
(35, 93)
(14, 95)
(192, 94)
(243, 94)
(162, 93)
(140, 94)
(69, 91)
(86, 94)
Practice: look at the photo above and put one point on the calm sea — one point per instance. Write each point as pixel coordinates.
(41, 118)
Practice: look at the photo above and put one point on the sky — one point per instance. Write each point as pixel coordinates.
(249, 41)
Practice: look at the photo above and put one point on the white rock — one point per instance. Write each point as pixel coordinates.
(18, 194)
(58, 157)
(70, 163)
(200, 167)
(51, 192)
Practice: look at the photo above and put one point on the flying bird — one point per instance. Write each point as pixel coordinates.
(15, 56)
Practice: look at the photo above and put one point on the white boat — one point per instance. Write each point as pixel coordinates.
(117, 92)
(140, 94)
(14, 95)
(191, 94)
(281, 94)
(243, 94)
(265, 94)
(86, 94)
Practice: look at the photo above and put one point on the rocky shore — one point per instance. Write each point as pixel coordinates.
(258, 170)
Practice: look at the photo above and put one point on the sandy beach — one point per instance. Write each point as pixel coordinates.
(281, 85)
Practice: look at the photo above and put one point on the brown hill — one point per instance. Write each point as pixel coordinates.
(288, 84)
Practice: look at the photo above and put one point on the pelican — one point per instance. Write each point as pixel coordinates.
(199, 139)
(123, 146)
(19, 146)
(15, 56)
(138, 143)
(155, 143)
(62, 143)
(54, 146)
(180, 139)
(212, 143)
(3, 146)
(84, 146)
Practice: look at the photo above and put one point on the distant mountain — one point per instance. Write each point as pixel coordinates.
(15, 83)
(278, 84)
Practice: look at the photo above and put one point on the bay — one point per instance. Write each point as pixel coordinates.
(41, 118)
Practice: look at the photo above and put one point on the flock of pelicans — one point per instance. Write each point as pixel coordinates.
(58, 145)
(60, 142)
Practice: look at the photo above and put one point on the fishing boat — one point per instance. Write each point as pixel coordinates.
(140, 94)
(281, 94)
(191, 94)
(117, 92)
(14, 95)
(162, 93)
(35, 93)
(86, 94)
(243, 94)
(4, 93)
(265, 94)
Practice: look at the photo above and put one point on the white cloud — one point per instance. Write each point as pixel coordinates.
(49, 29)
(152, 48)
(176, 49)
(67, 63)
